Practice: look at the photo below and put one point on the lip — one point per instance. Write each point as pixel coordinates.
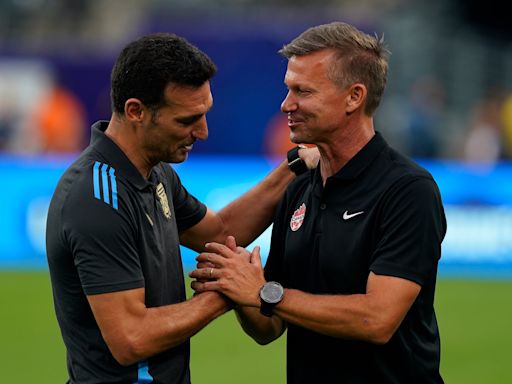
(187, 148)
(293, 121)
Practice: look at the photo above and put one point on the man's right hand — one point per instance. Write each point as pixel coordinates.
(310, 155)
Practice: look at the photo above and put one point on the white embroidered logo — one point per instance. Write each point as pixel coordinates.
(348, 216)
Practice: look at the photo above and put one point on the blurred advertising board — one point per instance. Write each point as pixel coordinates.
(478, 204)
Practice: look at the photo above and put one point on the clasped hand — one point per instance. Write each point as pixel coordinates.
(231, 270)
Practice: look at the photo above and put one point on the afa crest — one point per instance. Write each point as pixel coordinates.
(164, 203)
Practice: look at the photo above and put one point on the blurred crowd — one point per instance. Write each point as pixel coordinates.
(449, 92)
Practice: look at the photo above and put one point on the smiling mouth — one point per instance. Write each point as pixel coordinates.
(294, 120)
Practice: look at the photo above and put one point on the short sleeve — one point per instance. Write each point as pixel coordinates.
(412, 228)
(103, 241)
(274, 265)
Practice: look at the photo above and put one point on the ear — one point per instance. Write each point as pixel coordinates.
(134, 110)
(356, 97)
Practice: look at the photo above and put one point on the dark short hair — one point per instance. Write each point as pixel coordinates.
(360, 57)
(146, 66)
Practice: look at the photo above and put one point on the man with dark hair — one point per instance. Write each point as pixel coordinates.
(119, 214)
(355, 244)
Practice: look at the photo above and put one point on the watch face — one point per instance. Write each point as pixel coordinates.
(272, 292)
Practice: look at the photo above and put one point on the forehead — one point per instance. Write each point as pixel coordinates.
(310, 67)
(186, 100)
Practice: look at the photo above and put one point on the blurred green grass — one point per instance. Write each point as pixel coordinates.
(473, 315)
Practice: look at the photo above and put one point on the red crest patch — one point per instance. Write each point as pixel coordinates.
(298, 217)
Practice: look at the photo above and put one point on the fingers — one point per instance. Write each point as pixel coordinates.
(206, 264)
(203, 286)
(231, 243)
(311, 156)
(212, 258)
(255, 257)
(219, 252)
(205, 274)
(221, 249)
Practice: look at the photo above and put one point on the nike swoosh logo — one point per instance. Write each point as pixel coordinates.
(347, 216)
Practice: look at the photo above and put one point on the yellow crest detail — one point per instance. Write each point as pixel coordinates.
(164, 203)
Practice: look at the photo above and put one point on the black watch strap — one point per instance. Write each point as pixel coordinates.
(295, 163)
(266, 309)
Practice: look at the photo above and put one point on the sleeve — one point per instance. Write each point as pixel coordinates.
(274, 267)
(412, 228)
(103, 240)
(189, 210)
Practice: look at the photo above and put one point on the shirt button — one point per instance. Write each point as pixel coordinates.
(323, 206)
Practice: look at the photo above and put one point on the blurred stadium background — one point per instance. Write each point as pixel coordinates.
(448, 104)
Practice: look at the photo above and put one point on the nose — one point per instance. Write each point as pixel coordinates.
(289, 104)
(200, 131)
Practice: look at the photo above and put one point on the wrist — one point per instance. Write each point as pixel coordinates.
(295, 162)
(271, 294)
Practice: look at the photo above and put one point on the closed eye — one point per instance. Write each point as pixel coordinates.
(301, 91)
(188, 120)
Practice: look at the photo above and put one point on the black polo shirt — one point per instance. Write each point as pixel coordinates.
(110, 230)
(383, 213)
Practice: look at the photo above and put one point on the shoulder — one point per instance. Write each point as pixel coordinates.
(403, 170)
(90, 187)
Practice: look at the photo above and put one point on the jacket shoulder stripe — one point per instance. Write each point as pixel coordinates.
(96, 180)
(104, 182)
(113, 183)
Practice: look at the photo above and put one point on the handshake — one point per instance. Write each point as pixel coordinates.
(230, 270)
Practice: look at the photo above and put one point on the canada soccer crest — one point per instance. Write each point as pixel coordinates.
(298, 217)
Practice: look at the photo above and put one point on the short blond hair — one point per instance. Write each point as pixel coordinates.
(359, 57)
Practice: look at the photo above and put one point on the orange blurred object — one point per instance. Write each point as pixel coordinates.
(61, 120)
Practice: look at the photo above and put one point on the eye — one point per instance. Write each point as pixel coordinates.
(186, 121)
(303, 91)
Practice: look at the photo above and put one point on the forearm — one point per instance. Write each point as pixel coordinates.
(261, 328)
(149, 331)
(340, 316)
(249, 215)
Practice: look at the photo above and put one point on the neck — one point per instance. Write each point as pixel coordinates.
(125, 137)
(336, 153)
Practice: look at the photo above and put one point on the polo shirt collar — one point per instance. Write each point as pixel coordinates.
(360, 161)
(115, 156)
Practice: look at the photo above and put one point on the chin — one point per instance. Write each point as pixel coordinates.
(175, 158)
(297, 139)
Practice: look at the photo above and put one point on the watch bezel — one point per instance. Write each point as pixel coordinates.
(271, 285)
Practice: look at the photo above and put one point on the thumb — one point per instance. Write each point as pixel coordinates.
(255, 256)
(231, 243)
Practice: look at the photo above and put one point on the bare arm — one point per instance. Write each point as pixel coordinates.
(373, 316)
(261, 201)
(261, 328)
(134, 332)
(234, 219)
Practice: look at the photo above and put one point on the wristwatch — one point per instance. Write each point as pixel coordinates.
(295, 163)
(271, 294)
